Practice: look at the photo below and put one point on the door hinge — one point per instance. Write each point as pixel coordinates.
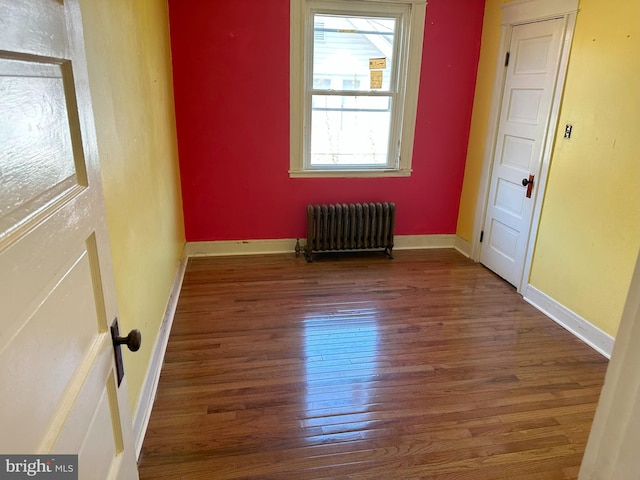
(481, 235)
(506, 60)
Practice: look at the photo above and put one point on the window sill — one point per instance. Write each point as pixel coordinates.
(348, 173)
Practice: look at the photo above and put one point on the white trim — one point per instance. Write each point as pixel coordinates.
(348, 173)
(462, 246)
(403, 129)
(240, 247)
(416, 242)
(400, 2)
(522, 11)
(287, 245)
(296, 90)
(517, 12)
(587, 332)
(150, 385)
(412, 87)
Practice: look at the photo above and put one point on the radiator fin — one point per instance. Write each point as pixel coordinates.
(350, 227)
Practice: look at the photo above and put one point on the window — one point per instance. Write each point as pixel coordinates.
(355, 69)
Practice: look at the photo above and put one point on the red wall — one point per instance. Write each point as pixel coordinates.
(231, 81)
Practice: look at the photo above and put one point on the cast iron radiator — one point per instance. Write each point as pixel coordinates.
(359, 226)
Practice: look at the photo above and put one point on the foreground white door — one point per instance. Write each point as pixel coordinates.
(58, 386)
(534, 57)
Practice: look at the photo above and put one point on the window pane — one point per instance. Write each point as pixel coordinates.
(350, 130)
(343, 46)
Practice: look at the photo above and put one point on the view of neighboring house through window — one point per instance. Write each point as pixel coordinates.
(350, 100)
(350, 81)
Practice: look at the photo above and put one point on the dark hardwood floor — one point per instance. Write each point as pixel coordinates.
(358, 367)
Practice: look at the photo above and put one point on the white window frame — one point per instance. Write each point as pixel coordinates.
(300, 72)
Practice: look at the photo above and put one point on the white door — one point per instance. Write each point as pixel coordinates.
(534, 57)
(58, 387)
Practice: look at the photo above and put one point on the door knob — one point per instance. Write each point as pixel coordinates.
(528, 182)
(132, 341)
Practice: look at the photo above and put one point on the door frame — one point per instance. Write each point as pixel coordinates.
(516, 13)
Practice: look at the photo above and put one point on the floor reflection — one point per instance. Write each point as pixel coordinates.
(341, 350)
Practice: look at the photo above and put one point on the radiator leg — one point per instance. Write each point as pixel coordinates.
(388, 252)
(305, 251)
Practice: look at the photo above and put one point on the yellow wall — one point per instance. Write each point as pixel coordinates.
(129, 63)
(479, 118)
(589, 232)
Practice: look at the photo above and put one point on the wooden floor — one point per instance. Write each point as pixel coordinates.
(359, 367)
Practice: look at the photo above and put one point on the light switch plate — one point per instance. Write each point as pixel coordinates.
(567, 130)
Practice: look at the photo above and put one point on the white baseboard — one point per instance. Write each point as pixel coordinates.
(581, 328)
(287, 245)
(148, 394)
(413, 242)
(240, 247)
(463, 247)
